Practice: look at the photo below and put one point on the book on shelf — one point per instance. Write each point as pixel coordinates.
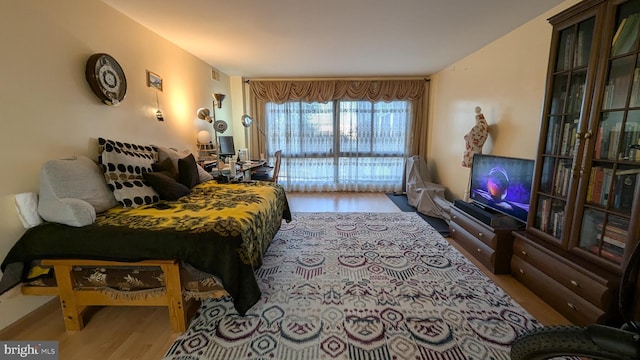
(579, 61)
(565, 139)
(606, 253)
(629, 137)
(618, 224)
(614, 141)
(603, 139)
(613, 235)
(635, 89)
(625, 37)
(592, 176)
(625, 189)
(558, 223)
(607, 100)
(553, 140)
(565, 180)
(613, 248)
(556, 180)
(596, 192)
(568, 137)
(546, 209)
(606, 185)
(598, 147)
(561, 181)
(616, 36)
(572, 137)
(628, 171)
(575, 97)
(613, 238)
(566, 54)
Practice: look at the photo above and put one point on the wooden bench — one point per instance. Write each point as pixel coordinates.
(75, 301)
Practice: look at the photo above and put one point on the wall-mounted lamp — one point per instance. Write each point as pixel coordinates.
(159, 114)
(155, 81)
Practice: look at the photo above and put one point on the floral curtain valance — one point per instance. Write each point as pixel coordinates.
(280, 91)
(328, 90)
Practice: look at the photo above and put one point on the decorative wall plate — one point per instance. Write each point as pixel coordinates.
(106, 78)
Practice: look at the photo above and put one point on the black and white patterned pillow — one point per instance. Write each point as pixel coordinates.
(124, 165)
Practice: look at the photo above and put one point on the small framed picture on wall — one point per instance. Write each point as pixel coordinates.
(154, 80)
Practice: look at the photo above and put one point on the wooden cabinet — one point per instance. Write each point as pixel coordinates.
(581, 293)
(491, 246)
(584, 213)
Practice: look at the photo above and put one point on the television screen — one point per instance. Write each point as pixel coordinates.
(226, 145)
(502, 184)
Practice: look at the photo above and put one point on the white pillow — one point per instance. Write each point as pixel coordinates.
(72, 191)
(27, 206)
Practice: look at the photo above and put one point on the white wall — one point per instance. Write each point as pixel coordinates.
(48, 110)
(507, 80)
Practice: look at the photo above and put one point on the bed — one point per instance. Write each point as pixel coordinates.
(217, 229)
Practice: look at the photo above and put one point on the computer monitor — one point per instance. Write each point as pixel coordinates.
(226, 146)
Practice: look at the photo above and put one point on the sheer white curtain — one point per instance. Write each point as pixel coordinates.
(340, 145)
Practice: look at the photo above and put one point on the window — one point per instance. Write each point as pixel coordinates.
(340, 145)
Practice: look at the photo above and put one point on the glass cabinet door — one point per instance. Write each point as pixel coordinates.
(561, 130)
(615, 154)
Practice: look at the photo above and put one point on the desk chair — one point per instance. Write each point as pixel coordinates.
(267, 173)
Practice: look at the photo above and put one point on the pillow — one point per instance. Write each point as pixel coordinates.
(167, 153)
(27, 206)
(167, 167)
(188, 171)
(171, 154)
(166, 186)
(72, 191)
(124, 165)
(203, 175)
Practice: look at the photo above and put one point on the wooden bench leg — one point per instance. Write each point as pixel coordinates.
(71, 313)
(175, 301)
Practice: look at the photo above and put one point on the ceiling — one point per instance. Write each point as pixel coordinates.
(331, 38)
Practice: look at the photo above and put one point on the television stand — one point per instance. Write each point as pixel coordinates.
(491, 245)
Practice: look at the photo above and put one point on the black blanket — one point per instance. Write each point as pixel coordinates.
(219, 229)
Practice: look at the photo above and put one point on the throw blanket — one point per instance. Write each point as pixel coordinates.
(221, 229)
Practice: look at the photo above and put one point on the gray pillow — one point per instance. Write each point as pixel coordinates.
(174, 155)
(72, 191)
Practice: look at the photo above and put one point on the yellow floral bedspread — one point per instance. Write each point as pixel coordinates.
(221, 229)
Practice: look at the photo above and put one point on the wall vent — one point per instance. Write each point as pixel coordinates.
(215, 74)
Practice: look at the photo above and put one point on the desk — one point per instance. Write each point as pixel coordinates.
(243, 171)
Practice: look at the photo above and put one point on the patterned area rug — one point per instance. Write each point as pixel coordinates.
(360, 286)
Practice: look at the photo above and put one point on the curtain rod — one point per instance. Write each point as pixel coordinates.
(425, 78)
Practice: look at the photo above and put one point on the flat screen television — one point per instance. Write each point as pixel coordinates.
(502, 184)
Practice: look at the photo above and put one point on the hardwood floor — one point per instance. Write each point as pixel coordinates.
(119, 333)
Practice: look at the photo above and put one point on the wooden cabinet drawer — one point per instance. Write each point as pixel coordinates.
(579, 282)
(574, 307)
(477, 248)
(472, 226)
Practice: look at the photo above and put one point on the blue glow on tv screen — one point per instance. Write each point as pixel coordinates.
(502, 184)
